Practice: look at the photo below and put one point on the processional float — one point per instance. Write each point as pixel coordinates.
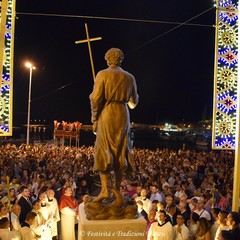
(66, 131)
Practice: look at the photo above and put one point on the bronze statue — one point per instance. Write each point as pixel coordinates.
(114, 91)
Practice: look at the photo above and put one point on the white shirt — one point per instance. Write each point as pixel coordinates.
(183, 234)
(220, 228)
(156, 196)
(179, 193)
(147, 204)
(15, 222)
(203, 213)
(27, 233)
(164, 232)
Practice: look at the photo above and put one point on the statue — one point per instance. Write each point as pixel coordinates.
(114, 91)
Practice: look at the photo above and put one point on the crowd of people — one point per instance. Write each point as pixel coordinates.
(184, 194)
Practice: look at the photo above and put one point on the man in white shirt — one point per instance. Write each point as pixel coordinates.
(143, 203)
(201, 211)
(5, 233)
(180, 229)
(222, 220)
(26, 231)
(161, 230)
(40, 226)
(155, 195)
(54, 215)
(15, 213)
(179, 191)
(4, 228)
(215, 225)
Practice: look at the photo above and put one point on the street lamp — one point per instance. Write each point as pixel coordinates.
(31, 67)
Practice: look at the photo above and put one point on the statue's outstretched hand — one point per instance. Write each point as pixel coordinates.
(95, 127)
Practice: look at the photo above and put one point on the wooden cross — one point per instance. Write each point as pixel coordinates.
(88, 40)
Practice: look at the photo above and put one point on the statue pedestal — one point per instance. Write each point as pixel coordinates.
(129, 229)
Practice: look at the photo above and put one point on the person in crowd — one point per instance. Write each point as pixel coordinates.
(172, 178)
(169, 199)
(185, 212)
(150, 220)
(130, 190)
(25, 204)
(164, 183)
(224, 202)
(15, 213)
(134, 179)
(192, 204)
(215, 224)
(180, 229)
(203, 230)
(4, 228)
(3, 211)
(179, 192)
(193, 225)
(172, 214)
(6, 233)
(40, 226)
(191, 187)
(143, 203)
(233, 221)
(54, 215)
(83, 189)
(161, 230)
(90, 175)
(138, 192)
(25, 178)
(45, 209)
(73, 185)
(14, 184)
(201, 211)
(26, 230)
(156, 206)
(155, 194)
(68, 206)
(160, 205)
(222, 221)
(12, 198)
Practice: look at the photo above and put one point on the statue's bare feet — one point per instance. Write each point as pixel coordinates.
(103, 195)
(119, 199)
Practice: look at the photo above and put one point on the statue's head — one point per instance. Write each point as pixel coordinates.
(114, 57)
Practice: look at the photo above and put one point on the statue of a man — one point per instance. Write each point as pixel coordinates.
(114, 91)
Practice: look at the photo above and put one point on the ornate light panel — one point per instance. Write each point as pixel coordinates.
(7, 22)
(225, 75)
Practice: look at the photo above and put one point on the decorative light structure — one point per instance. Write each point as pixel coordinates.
(225, 76)
(7, 25)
